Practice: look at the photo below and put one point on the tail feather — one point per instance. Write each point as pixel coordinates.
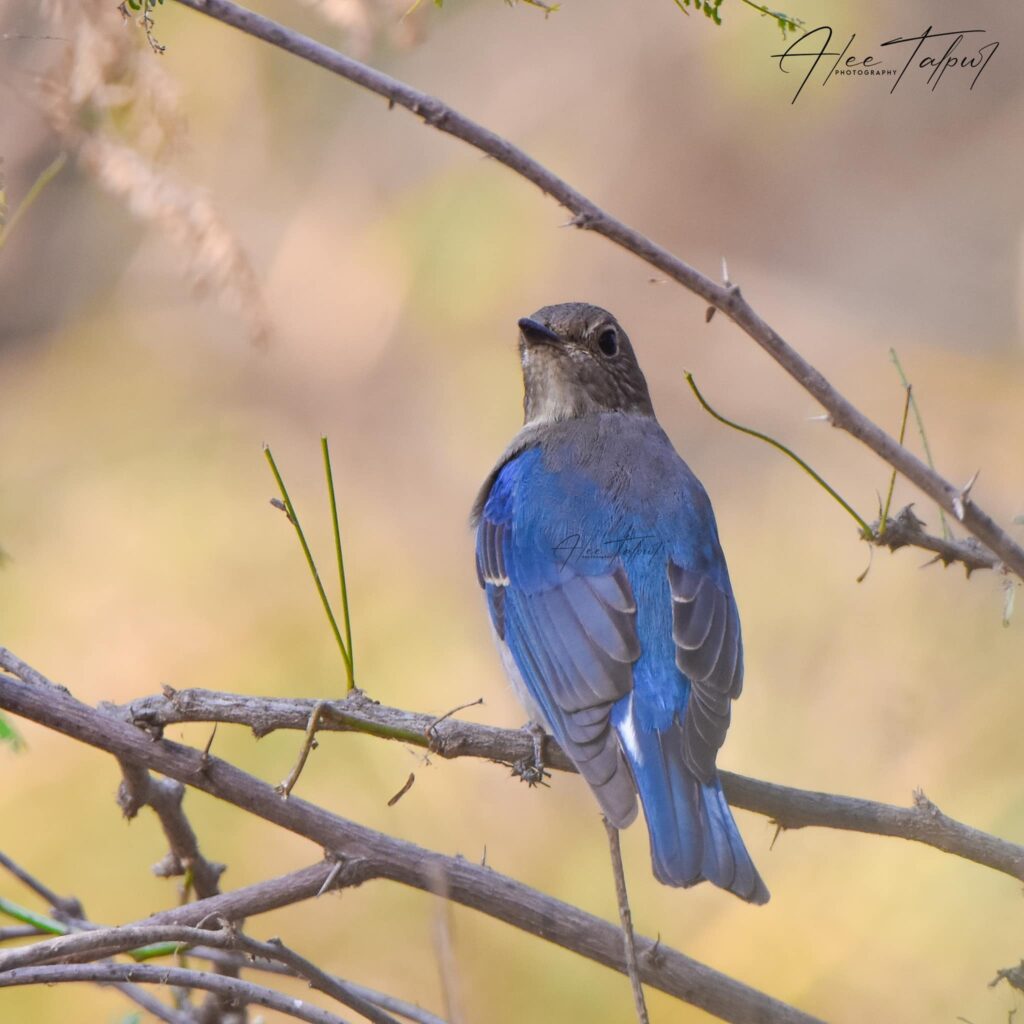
(693, 834)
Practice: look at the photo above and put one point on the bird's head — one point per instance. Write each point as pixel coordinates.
(577, 360)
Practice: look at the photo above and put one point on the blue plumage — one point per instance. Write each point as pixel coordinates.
(610, 597)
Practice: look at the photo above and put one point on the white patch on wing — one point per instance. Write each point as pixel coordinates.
(518, 685)
(628, 736)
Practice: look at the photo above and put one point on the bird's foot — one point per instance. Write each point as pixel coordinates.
(531, 770)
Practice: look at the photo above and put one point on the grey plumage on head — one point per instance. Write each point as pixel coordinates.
(578, 360)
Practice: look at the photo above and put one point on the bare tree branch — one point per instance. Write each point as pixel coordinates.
(66, 906)
(399, 1007)
(243, 903)
(100, 943)
(262, 897)
(626, 919)
(906, 530)
(588, 215)
(139, 789)
(69, 912)
(274, 949)
(371, 854)
(19, 931)
(138, 995)
(231, 989)
(790, 807)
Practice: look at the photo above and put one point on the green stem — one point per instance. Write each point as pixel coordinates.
(49, 926)
(865, 530)
(26, 916)
(920, 429)
(892, 480)
(350, 660)
(32, 195)
(294, 520)
(782, 19)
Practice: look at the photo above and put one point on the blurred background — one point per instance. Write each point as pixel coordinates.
(360, 276)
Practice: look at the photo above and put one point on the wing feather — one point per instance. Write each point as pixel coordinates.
(709, 652)
(573, 638)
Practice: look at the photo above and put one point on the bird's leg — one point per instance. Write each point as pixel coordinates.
(532, 771)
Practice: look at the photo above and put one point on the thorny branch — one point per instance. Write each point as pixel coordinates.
(587, 215)
(906, 530)
(367, 854)
(789, 807)
(133, 734)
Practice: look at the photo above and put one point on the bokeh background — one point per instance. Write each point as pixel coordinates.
(391, 264)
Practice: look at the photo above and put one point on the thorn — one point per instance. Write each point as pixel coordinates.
(725, 274)
(960, 501)
(709, 313)
(922, 803)
(333, 876)
(204, 757)
(820, 418)
(779, 828)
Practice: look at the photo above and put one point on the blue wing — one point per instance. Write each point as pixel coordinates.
(571, 634)
(631, 652)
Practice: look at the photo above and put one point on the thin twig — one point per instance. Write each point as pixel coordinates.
(105, 942)
(308, 743)
(99, 943)
(587, 215)
(61, 904)
(138, 995)
(25, 672)
(399, 1007)
(884, 518)
(232, 989)
(912, 398)
(337, 989)
(626, 917)
(431, 729)
(44, 179)
(865, 530)
(19, 931)
(444, 948)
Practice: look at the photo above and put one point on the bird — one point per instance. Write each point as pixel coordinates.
(610, 599)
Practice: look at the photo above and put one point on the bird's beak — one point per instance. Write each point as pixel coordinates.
(537, 334)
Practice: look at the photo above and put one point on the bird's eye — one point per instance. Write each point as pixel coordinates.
(608, 341)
